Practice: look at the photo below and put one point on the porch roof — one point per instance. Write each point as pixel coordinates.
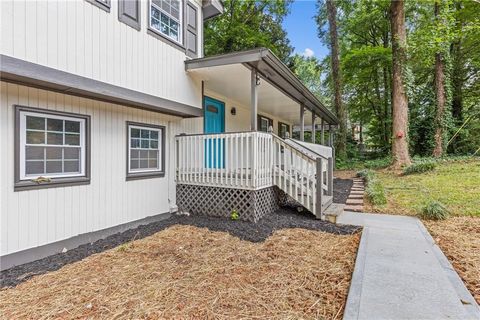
(272, 70)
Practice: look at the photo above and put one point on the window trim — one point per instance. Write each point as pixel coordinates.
(280, 124)
(161, 147)
(160, 36)
(59, 180)
(100, 4)
(261, 117)
(178, 44)
(129, 21)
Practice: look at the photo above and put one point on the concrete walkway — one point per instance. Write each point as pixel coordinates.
(400, 273)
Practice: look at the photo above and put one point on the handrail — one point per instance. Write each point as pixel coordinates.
(282, 141)
(208, 134)
(303, 147)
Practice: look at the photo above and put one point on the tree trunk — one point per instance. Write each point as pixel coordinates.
(440, 96)
(387, 94)
(341, 145)
(400, 152)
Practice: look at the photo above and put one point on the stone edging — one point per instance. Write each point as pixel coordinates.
(355, 198)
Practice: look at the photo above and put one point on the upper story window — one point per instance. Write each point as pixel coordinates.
(102, 4)
(52, 146)
(166, 18)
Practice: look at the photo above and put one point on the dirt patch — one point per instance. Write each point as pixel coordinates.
(189, 272)
(345, 174)
(459, 239)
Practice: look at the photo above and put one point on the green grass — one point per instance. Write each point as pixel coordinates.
(454, 184)
(419, 167)
(357, 164)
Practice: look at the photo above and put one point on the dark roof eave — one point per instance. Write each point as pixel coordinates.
(34, 75)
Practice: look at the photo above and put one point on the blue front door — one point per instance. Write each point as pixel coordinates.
(214, 123)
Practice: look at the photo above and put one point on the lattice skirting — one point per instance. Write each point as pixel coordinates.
(251, 205)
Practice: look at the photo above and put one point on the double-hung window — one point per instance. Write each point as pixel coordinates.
(166, 18)
(52, 147)
(283, 129)
(264, 123)
(145, 150)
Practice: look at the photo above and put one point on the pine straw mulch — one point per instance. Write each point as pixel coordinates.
(191, 272)
(459, 239)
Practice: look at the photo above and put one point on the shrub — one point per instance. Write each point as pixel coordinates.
(234, 215)
(375, 192)
(365, 174)
(419, 167)
(434, 210)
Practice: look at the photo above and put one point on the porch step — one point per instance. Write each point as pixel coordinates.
(333, 212)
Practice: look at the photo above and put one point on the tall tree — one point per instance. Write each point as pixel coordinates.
(439, 93)
(341, 144)
(400, 153)
(309, 71)
(247, 25)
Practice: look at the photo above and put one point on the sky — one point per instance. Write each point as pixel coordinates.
(302, 29)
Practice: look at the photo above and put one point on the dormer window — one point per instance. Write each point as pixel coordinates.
(166, 18)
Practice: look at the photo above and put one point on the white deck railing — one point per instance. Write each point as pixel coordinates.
(255, 160)
(235, 160)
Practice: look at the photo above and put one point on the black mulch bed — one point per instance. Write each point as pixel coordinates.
(341, 190)
(255, 232)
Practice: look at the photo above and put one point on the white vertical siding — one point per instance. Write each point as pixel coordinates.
(77, 37)
(36, 217)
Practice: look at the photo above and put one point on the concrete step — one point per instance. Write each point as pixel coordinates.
(333, 212)
(351, 201)
(354, 207)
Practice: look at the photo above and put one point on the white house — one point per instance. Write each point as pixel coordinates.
(111, 117)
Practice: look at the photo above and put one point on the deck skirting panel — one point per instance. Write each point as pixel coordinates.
(251, 205)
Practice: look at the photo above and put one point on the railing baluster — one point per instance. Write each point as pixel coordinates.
(307, 182)
(304, 188)
(241, 160)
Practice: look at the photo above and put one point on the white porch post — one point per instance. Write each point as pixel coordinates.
(322, 141)
(330, 136)
(313, 128)
(302, 122)
(254, 100)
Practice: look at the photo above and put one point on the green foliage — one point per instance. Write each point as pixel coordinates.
(374, 191)
(234, 215)
(419, 167)
(357, 163)
(309, 70)
(247, 25)
(366, 57)
(453, 183)
(434, 210)
(366, 174)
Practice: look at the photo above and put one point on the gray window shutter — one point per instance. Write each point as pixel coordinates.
(129, 13)
(191, 30)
